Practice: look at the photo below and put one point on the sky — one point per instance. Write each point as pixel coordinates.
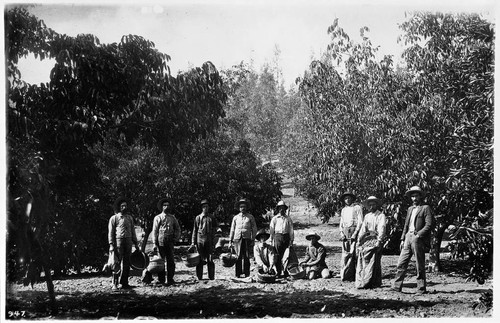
(228, 32)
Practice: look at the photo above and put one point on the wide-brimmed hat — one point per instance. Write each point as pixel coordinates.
(262, 232)
(343, 196)
(203, 202)
(312, 234)
(242, 201)
(159, 205)
(118, 201)
(415, 189)
(280, 204)
(372, 199)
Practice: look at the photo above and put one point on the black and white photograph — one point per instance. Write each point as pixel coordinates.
(238, 159)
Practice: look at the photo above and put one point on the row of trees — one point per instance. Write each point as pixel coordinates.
(113, 121)
(377, 129)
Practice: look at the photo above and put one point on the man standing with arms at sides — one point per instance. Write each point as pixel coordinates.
(121, 236)
(415, 239)
(203, 239)
(166, 231)
(281, 231)
(243, 231)
(351, 218)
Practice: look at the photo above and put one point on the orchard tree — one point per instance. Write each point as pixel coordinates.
(452, 59)
(377, 130)
(125, 87)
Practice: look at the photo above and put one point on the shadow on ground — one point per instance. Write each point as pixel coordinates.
(213, 302)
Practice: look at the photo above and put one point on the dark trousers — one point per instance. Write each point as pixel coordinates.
(281, 242)
(123, 251)
(167, 253)
(412, 246)
(242, 248)
(205, 249)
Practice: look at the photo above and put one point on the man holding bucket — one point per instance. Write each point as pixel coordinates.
(203, 239)
(166, 231)
(121, 236)
(242, 234)
(281, 231)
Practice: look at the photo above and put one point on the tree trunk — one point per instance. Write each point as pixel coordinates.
(50, 287)
(148, 227)
(435, 252)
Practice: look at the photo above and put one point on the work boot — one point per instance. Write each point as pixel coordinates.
(211, 270)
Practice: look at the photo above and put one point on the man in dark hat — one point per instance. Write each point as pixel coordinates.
(281, 231)
(203, 238)
(242, 234)
(121, 237)
(166, 231)
(265, 254)
(370, 242)
(351, 218)
(415, 239)
(314, 262)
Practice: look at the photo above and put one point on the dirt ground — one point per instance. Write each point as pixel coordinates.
(90, 296)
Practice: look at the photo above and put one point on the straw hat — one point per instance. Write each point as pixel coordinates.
(280, 204)
(118, 202)
(260, 233)
(343, 196)
(415, 189)
(312, 234)
(242, 201)
(159, 205)
(372, 199)
(204, 202)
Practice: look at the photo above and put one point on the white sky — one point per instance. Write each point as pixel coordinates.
(228, 32)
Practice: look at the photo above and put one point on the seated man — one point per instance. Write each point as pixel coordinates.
(314, 263)
(265, 254)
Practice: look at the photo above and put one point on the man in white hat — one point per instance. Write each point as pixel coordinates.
(370, 238)
(314, 262)
(351, 218)
(415, 239)
(243, 231)
(281, 231)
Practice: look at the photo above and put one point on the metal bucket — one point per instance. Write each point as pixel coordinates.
(139, 260)
(297, 272)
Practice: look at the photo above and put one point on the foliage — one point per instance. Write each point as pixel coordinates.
(377, 130)
(216, 168)
(94, 89)
(258, 108)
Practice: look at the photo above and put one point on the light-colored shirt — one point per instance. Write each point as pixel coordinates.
(351, 216)
(243, 226)
(166, 225)
(375, 222)
(414, 212)
(265, 255)
(281, 224)
(121, 226)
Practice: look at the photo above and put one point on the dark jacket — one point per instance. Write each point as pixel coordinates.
(204, 231)
(424, 222)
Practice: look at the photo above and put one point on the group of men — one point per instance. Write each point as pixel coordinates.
(362, 239)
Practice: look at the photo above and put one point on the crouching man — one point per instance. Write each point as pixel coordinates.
(265, 254)
(314, 263)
